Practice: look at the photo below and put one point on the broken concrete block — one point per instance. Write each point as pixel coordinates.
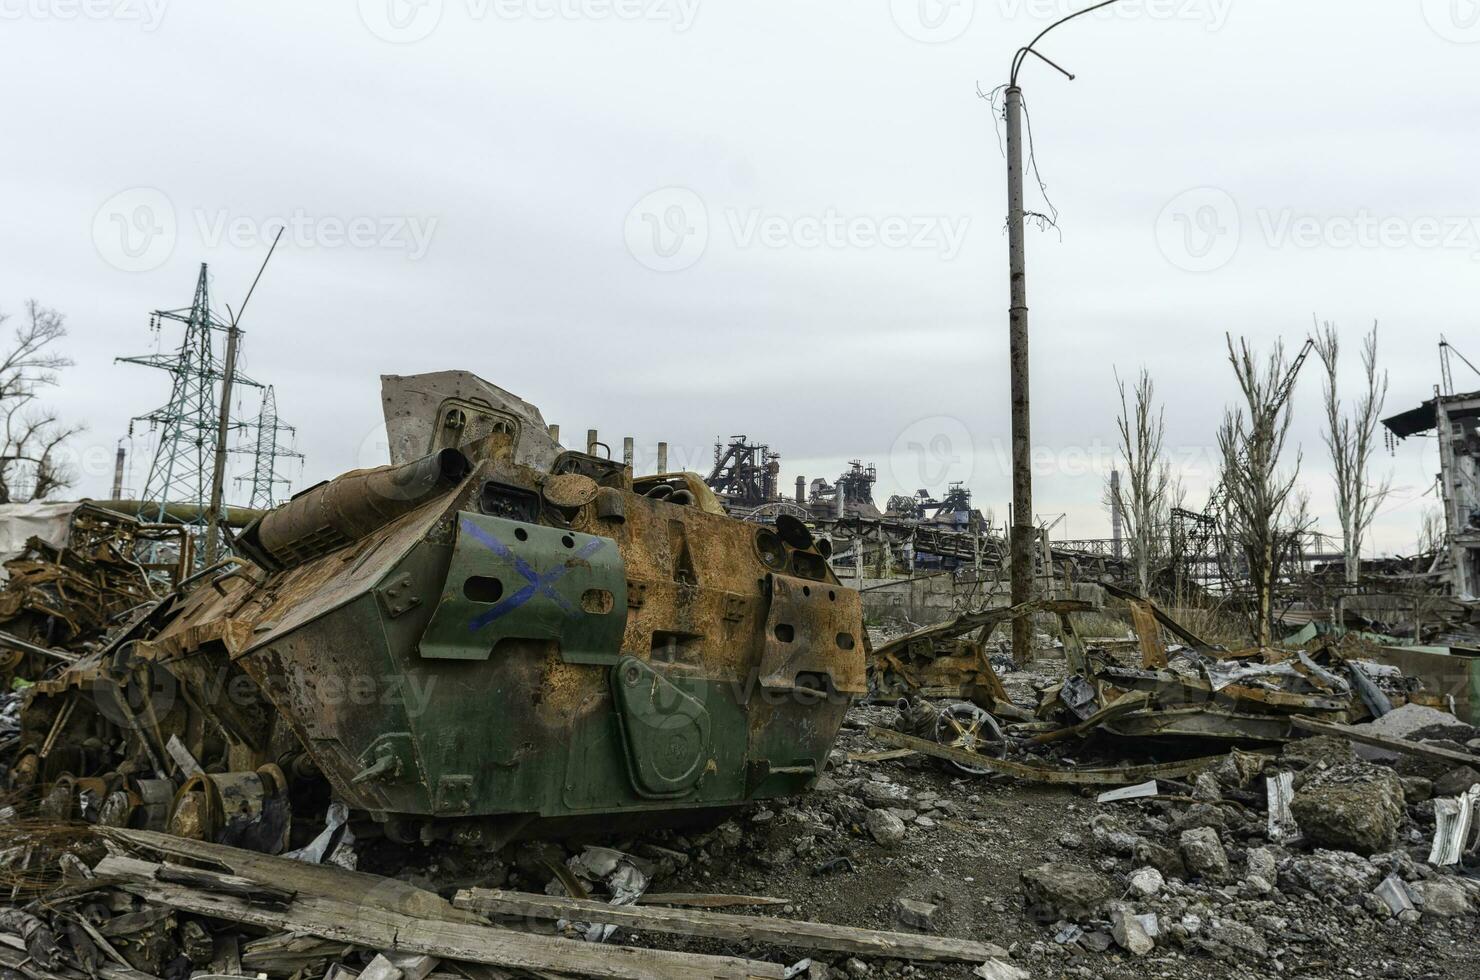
(1064, 891)
(878, 794)
(1393, 894)
(1455, 782)
(885, 827)
(1237, 936)
(1203, 851)
(1262, 862)
(1319, 750)
(1147, 883)
(1111, 837)
(1163, 859)
(917, 915)
(1357, 807)
(1206, 789)
(998, 970)
(1334, 874)
(1201, 815)
(1128, 932)
(1440, 899)
(1416, 789)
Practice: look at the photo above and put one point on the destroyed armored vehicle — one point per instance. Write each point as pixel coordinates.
(487, 633)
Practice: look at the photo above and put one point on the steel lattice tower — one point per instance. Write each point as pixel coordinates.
(181, 470)
(269, 448)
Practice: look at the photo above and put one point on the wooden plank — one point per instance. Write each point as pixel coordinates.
(325, 880)
(372, 925)
(891, 755)
(1148, 633)
(1401, 745)
(702, 901)
(13, 954)
(1127, 776)
(739, 928)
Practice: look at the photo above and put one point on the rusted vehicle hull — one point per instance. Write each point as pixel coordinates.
(466, 643)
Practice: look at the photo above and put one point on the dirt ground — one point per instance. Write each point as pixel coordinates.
(967, 842)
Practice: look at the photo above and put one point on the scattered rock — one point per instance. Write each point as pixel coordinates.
(1163, 859)
(885, 827)
(1416, 789)
(917, 915)
(1322, 750)
(1128, 932)
(1237, 936)
(879, 794)
(1064, 891)
(1112, 837)
(1454, 782)
(1354, 807)
(1204, 854)
(1440, 899)
(1261, 862)
(1336, 875)
(1147, 883)
(1201, 815)
(1206, 788)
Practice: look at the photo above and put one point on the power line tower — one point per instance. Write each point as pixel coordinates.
(189, 423)
(269, 447)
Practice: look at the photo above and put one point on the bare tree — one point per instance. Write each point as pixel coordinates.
(1351, 439)
(30, 467)
(1420, 579)
(1142, 498)
(1262, 522)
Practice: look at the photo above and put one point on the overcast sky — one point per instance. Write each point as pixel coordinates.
(682, 219)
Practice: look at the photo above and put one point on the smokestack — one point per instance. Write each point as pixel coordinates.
(591, 441)
(801, 489)
(555, 433)
(662, 457)
(841, 498)
(627, 452)
(118, 473)
(1117, 521)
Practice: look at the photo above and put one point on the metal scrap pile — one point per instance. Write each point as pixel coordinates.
(68, 591)
(1180, 697)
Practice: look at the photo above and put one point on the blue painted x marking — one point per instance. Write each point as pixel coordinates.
(538, 583)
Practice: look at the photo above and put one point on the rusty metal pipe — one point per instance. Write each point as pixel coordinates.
(334, 514)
